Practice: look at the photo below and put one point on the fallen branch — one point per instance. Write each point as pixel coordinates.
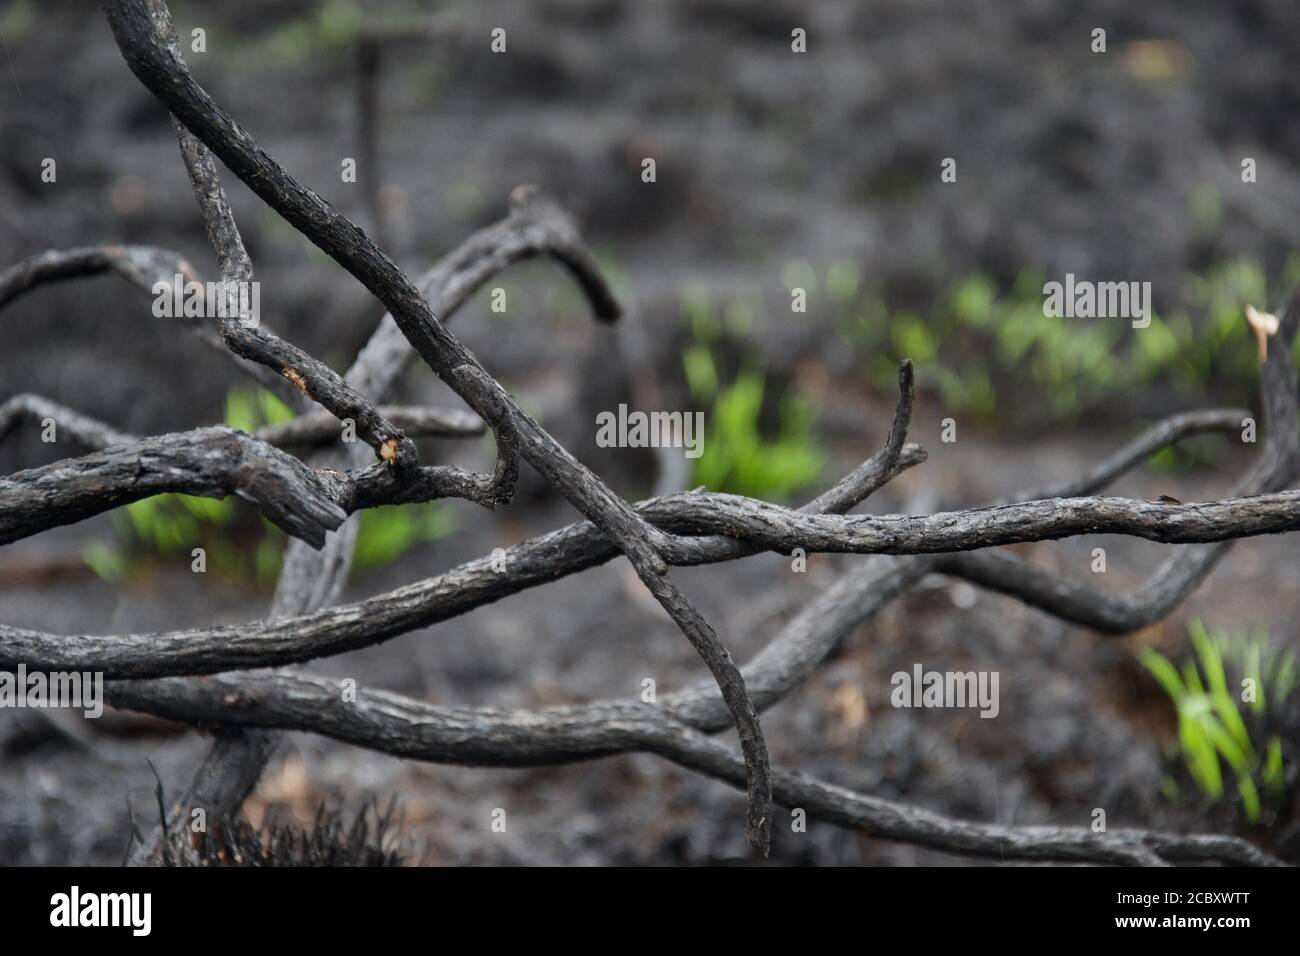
(310, 500)
(148, 44)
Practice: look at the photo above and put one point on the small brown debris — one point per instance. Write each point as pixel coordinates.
(849, 704)
(1263, 324)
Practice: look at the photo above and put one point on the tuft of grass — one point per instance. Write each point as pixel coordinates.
(740, 455)
(975, 334)
(1226, 736)
(740, 459)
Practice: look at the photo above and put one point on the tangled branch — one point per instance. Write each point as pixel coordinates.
(311, 499)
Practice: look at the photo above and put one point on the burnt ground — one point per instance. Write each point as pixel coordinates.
(1068, 162)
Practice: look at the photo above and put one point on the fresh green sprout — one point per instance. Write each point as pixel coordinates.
(1071, 364)
(740, 458)
(1213, 730)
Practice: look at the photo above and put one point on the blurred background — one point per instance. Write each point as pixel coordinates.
(774, 170)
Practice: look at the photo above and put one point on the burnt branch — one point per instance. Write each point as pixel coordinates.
(247, 339)
(211, 462)
(535, 226)
(816, 631)
(157, 672)
(322, 428)
(377, 619)
(83, 429)
(1276, 468)
(780, 667)
(310, 579)
(567, 551)
(393, 724)
(781, 529)
(1161, 435)
(216, 462)
(348, 627)
(313, 429)
(144, 267)
(143, 34)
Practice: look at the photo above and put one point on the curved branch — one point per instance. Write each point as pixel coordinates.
(1077, 603)
(391, 723)
(1162, 434)
(246, 339)
(579, 546)
(312, 429)
(532, 563)
(543, 559)
(141, 29)
(535, 225)
(648, 547)
(322, 428)
(1180, 575)
(785, 662)
(215, 462)
(83, 429)
(212, 462)
(781, 529)
(143, 267)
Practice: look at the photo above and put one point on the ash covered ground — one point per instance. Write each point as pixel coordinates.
(1068, 162)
